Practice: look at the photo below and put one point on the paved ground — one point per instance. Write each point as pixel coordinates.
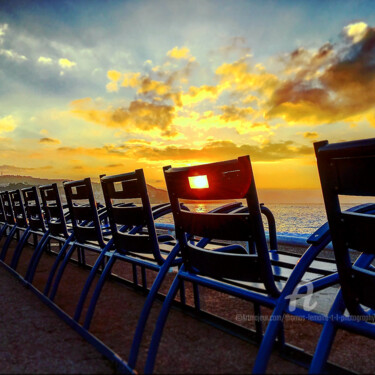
(34, 340)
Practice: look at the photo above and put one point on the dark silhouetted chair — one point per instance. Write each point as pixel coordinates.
(347, 169)
(133, 230)
(16, 218)
(36, 224)
(55, 219)
(244, 267)
(87, 235)
(6, 218)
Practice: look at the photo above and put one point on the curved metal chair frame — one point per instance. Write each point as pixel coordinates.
(347, 169)
(51, 219)
(251, 272)
(133, 230)
(136, 242)
(6, 222)
(87, 234)
(36, 225)
(16, 219)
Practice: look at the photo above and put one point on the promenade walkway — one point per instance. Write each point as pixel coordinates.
(34, 340)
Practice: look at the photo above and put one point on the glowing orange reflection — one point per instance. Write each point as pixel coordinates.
(198, 182)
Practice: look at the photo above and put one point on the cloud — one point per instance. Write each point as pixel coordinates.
(7, 124)
(10, 54)
(139, 116)
(233, 113)
(344, 86)
(15, 169)
(220, 150)
(180, 53)
(242, 78)
(44, 60)
(356, 31)
(114, 76)
(311, 135)
(66, 64)
(3, 29)
(48, 140)
(198, 94)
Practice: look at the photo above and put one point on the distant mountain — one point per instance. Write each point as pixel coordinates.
(5, 180)
(10, 182)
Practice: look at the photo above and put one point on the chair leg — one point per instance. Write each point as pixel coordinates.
(147, 306)
(182, 292)
(7, 242)
(79, 255)
(135, 274)
(3, 230)
(56, 264)
(327, 336)
(36, 257)
(258, 323)
(275, 325)
(97, 291)
(323, 348)
(21, 244)
(89, 281)
(61, 271)
(197, 302)
(156, 337)
(144, 279)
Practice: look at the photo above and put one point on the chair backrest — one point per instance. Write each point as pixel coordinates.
(33, 209)
(18, 208)
(8, 210)
(347, 169)
(53, 210)
(124, 187)
(231, 179)
(2, 212)
(83, 211)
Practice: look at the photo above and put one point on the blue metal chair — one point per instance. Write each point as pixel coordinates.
(3, 218)
(136, 242)
(347, 169)
(55, 220)
(16, 218)
(246, 268)
(36, 224)
(133, 230)
(87, 235)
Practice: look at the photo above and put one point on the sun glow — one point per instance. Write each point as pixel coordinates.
(198, 182)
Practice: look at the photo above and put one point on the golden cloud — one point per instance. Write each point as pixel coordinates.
(44, 60)
(13, 55)
(356, 31)
(311, 135)
(179, 53)
(241, 77)
(345, 86)
(48, 140)
(7, 124)
(15, 169)
(66, 64)
(233, 113)
(114, 76)
(220, 150)
(139, 116)
(199, 94)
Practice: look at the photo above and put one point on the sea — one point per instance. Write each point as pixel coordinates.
(290, 218)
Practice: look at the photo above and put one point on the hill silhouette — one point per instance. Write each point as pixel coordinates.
(11, 182)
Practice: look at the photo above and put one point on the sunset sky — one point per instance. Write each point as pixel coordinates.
(92, 87)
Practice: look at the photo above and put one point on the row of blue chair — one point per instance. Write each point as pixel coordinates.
(224, 250)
